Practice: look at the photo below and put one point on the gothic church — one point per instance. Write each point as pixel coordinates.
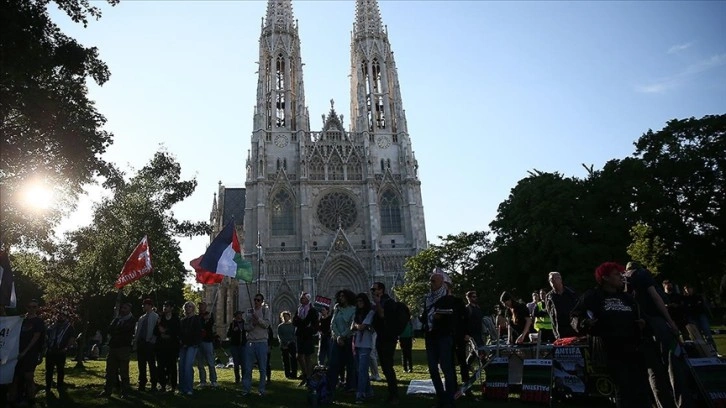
(325, 209)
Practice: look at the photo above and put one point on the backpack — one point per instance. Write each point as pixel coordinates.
(401, 317)
(318, 393)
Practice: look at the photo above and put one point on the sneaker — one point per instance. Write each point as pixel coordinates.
(214, 384)
(202, 384)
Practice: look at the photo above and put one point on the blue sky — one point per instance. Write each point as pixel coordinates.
(491, 89)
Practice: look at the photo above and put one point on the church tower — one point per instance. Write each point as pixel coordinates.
(327, 209)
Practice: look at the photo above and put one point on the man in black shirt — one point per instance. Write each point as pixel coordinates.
(559, 303)
(518, 318)
(121, 332)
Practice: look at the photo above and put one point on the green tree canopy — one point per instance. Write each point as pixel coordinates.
(50, 132)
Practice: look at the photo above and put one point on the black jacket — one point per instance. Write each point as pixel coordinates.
(444, 324)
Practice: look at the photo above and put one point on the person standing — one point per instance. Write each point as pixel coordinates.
(205, 356)
(613, 316)
(121, 336)
(439, 327)
(145, 345)
(559, 303)
(237, 343)
(257, 321)
(29, 347)
(306, 325)
(167, 347)
(363, 343)
(190, 336)
(60, 337)
(697, 311)
(324, 341)
(288, 348)
(405, 340)
(341, 349)
(542, 321)
(386, 339)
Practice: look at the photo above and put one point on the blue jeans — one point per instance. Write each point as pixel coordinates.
(206, 357)
(186, 368)
(440, 352)
(238, 358)
(256, 350)
(362, 358)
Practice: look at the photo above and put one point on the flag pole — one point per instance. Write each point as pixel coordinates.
(259, 261)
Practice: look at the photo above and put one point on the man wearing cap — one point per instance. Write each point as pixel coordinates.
(439, 327)
(60, 336)
(121, 336)
(167, 347)
(145, 343)
(306, 325)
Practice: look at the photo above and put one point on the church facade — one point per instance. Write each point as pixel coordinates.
(324, 209)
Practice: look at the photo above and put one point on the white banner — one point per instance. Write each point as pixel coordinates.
(9, 341)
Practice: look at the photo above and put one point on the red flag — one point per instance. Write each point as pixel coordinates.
(203, 275)
(137, 266)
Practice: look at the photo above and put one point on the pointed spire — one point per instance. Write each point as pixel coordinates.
(367, 18)
(279, 13)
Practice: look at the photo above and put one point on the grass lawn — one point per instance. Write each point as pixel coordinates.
(86, 384)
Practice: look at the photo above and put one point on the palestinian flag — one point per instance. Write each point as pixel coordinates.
(224, 256)
(203, 276)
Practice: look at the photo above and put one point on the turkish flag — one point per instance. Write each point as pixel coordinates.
(137, 266)
(203, 275)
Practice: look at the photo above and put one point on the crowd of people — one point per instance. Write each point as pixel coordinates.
(639, 323)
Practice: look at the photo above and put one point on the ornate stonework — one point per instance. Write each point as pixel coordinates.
(340, 189)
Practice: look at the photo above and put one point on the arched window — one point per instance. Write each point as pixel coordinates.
(354, 168)
(283, 214)
(316, 168)
(335, 168)
(390, 213)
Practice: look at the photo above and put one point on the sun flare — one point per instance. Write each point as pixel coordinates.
(38, 196)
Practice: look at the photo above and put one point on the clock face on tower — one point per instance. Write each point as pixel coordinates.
(281, 141)
(383, 141)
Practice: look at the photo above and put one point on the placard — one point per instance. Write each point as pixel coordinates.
(496, 384)
(710, 375)
(568, 368)
(536, 380)
(321, 301)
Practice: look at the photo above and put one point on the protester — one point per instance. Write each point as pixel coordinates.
(288, 348)
(405, 340)
(167, 347)
(613, 316)
(324, 332)
(306, 326)
(257, 321)
(519, 322)
(205, 356)
(363, 343)
(237, 344)
(190, 336)
(542, 320)
(121, 336)
(341, 349)
(29, 347)
(439, 327)
(145, 345)
(386, 339)
(559, 303)
(667, 372)
(531, 305)
(698, 311)
(59, 338)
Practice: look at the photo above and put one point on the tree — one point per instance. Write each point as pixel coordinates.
(646, 248)
(683, 199)
(460, 255)
(90, 259)
(50, 131)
